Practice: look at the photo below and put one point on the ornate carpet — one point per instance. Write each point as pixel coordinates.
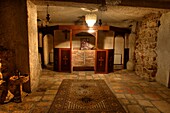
(85, 96)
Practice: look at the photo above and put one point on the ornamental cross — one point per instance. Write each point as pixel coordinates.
(65, 60)
(101, 60)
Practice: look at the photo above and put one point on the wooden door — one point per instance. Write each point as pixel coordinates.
(100, 64)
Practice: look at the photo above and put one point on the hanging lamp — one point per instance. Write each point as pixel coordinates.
(91, 19)
(47, 17)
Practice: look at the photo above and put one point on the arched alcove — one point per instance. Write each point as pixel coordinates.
(119, 52)
(48, 49)
(83, 41)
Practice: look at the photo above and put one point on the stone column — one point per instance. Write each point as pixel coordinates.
(132, 37)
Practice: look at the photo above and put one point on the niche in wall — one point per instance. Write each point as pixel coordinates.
(83, 41)
(119, 52)
(48, 49)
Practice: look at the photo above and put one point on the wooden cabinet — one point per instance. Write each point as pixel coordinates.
(110, 60)
(56, 59)
(62, 59)
(104, 61)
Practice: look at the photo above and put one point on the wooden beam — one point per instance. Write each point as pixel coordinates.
(120, 30)
(82, 27)
(48, 28)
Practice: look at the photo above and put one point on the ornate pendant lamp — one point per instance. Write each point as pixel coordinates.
(90, 19)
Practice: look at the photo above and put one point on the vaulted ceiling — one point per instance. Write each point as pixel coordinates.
(121, 15)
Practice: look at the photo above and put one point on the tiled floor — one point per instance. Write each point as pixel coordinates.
(135, 94)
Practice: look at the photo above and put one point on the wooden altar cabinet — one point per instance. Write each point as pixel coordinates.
(62, 59)
(104, 61)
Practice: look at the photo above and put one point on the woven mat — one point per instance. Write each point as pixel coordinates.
(85, 96)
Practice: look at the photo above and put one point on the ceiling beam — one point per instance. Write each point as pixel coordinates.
(82, 27)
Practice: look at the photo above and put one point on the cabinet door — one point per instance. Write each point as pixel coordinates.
(100, 61)
(65, 64)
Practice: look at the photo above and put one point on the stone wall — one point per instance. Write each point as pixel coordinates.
(34, 62)
(13, 34)
(146, 45)
(14, 37)
(163, 50)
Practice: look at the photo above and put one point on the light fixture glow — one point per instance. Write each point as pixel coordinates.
(91, 30)
(91, 19)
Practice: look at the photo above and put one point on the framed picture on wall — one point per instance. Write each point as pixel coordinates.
(84, 44)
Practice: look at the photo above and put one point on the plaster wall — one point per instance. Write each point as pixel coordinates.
(50, 48)
(163, 50)
(46, 50)
(119, 50)
(34, 62)
(40, 38)
(105, 39)
(60, 41)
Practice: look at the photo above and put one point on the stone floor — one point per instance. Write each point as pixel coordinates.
(135, 94)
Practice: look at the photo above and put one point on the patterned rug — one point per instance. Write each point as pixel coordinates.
(85, 96)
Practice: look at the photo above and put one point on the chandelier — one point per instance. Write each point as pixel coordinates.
(90, 19)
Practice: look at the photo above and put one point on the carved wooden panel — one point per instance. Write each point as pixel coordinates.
(100, 61)
(62, 59)
(65, 64)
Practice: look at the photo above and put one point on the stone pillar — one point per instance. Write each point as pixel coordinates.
(130, 63)
(132, 37)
